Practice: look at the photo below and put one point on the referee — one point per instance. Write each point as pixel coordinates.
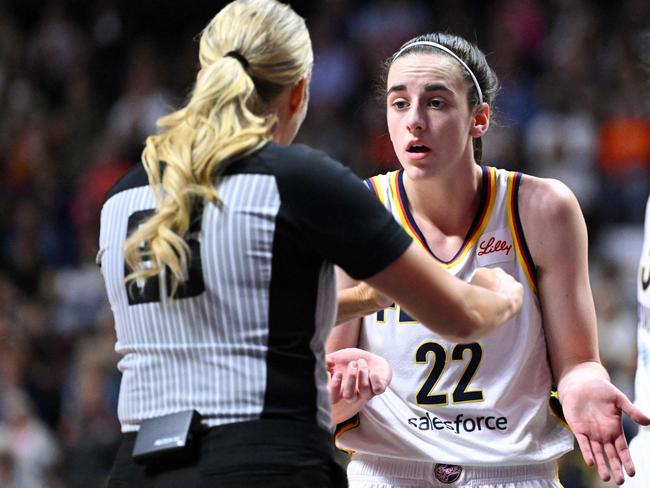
(217, 254)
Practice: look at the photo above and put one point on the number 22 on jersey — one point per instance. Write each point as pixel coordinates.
(436, 356)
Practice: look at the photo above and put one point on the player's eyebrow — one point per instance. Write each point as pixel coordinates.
(437, 87)
(396, 88)
(429, 87)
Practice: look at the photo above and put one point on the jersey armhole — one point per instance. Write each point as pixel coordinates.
(517, 230)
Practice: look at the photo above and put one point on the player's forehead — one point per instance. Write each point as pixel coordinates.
(420, 69)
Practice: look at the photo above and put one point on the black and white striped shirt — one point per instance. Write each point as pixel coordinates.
(244, 337)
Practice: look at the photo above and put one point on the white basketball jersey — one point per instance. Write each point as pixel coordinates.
(642, 380)
(480, 403)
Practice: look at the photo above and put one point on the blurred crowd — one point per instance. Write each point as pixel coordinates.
(83, 82)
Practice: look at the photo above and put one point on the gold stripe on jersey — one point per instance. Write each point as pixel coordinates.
(349, 424)
(516, 235)
(399, 205)
(557, 474)
(485, 217)
(555, 407)
(376, 187)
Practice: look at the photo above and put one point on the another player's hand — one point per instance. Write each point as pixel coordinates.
(378, 299)
(359, 300)
(356, 375)
(497, 280)
(594, 409)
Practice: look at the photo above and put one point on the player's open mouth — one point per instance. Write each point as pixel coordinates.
(418, 148)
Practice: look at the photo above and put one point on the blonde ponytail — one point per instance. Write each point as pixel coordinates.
(229, 115)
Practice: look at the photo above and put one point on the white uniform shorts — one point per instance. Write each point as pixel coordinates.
(640, 452)
(365, 471)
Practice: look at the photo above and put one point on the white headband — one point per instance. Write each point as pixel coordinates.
(452, 54)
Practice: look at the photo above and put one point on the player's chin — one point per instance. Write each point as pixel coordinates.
(417, 170)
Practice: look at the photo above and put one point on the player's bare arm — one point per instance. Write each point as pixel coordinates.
(360, 300)
(557, 238)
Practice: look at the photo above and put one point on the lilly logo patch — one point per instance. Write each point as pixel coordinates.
(495, 247)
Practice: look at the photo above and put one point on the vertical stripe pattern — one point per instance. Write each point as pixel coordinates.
(206, 352)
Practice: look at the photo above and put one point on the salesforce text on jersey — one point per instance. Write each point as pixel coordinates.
(460, 425)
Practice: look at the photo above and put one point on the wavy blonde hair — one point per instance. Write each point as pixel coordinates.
(229, 114)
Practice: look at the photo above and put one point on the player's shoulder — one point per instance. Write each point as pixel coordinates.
(547, 194)
(136, 177)
(383, 177)
(547, 201)
(380, 185)
(381, 181)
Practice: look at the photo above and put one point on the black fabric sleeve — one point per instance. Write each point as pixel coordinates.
(339, 216)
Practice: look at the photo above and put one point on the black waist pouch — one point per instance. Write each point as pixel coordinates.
(172, 436)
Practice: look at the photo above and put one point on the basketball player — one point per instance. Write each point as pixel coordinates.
(476, 413)
(218, 253)
(640, 445)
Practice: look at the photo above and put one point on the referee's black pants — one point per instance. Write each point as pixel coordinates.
(263, 453)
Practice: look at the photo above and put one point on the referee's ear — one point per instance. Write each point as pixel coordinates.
(299, 94)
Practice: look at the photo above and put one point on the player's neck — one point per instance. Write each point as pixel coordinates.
(449, 200)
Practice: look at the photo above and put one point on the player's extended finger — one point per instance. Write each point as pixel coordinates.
(624, 455)
(377, 383)
(614, 463)
(601, 464)
(363, 381)
(585, 449)
(633, 411)
(350, 381)
(335, 386)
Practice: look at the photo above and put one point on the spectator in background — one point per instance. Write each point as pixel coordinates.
(333, 85)
(7, 464)
(89, 428)
(560, 140)
(33, 448)
(624, 157)
(143, 101)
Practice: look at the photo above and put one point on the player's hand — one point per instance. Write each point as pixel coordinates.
(594, 410)
(497, 280)
(356, 375)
